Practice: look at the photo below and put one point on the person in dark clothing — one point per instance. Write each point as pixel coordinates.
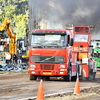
(14, 58)
(19, 56)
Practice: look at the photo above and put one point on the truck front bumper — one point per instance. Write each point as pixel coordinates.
(48, 73)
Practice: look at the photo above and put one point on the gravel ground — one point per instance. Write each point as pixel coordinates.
(17, 86)
(86, 94)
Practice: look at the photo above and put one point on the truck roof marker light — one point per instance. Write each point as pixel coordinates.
(80, 46)
(91, 26)
(52, 31)
(43, 31)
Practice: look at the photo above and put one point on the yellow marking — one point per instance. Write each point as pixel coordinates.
(82, 55)
(29, 69)
(52, 31)
(33, 31)
(65, 69)
(48, 32)
(62, 32)
(47, 73)
(43, 31)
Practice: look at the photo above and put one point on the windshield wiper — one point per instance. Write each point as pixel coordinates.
(38, 43)
(52, 44)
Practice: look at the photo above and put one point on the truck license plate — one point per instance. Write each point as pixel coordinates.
(46, 73)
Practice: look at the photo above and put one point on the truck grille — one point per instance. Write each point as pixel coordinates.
(48, 59)
(46, 67)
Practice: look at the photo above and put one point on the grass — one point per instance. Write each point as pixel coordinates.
(25, 70)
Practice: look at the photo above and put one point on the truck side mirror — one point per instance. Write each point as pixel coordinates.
(25, 41)
(71, 42)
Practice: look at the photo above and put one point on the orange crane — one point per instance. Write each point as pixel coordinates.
(7, 26)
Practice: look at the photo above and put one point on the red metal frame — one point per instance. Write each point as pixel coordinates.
(84, 49)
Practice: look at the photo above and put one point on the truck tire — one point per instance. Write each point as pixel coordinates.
(32, 77)
(46, 78)
(74, 78)
(69, 76)
(66, 78)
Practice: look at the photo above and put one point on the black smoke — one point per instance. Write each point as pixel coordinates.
(58, 13)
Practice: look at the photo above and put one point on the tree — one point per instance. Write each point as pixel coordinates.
(20, 25)
(15, 10)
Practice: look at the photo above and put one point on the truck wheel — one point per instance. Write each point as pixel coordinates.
(46, 78)
(74, 78)
(32, 77)
(66, 78)
(69, 76)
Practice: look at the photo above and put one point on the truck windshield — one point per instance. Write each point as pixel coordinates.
(81, 38)
(50, 40)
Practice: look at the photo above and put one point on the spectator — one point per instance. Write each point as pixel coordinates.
(14, 58)
(8, 58)
(19, 56)
(97, 45)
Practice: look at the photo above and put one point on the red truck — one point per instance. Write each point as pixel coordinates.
(50, 53)
(59, 53)
(82, 50)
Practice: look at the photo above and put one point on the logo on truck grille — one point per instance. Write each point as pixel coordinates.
(47, 59)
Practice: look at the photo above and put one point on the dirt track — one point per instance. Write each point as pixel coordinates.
(16, 85)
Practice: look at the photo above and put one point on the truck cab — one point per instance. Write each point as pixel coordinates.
(50, 53)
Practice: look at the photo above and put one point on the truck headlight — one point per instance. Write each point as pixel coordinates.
(62, 66)
(32, 65)
(33, 72)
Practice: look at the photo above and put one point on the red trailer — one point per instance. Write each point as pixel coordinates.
(82, 52)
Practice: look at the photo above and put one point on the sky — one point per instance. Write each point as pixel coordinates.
(58, 13)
